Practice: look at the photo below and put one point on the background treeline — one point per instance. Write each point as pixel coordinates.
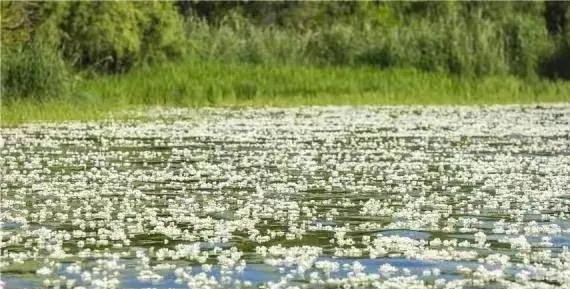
(48, 46)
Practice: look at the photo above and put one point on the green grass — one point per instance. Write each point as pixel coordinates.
(195, 84)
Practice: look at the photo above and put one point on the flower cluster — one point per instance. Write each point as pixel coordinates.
(367, 197)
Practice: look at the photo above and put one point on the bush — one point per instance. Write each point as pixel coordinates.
(103, 35)
(557, 64)
(47, 19)
(526, 42)
(15, 29)
(334, 45)
(162, 29)
(115, 36)
(447, 45)
(472, 39)
(32, 71)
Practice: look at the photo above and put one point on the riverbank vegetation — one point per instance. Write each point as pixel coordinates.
(101, 55)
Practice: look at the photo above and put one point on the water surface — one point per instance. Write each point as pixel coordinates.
(368, 197)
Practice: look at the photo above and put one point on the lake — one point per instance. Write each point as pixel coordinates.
(314, 197)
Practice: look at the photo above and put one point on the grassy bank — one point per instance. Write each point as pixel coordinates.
(195, 84)
(247, 53)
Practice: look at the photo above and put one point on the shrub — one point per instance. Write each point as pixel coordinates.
(47, 19)
(15, 29)
(32, 71)
(526, 43)
(115, 36)
(334, 45)
(103, 35)
(557, 64)
(162, 32)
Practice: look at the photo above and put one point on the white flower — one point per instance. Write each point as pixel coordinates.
(43, 271)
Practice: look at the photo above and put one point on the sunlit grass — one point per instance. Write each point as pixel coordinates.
(198, 84)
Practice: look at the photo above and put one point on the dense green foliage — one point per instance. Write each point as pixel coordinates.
(105, 36)
(33, 71)
(529, 40)
(459, 38)
(113, 37)
(212, 83)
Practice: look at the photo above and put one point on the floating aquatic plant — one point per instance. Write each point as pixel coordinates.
(367, 197)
